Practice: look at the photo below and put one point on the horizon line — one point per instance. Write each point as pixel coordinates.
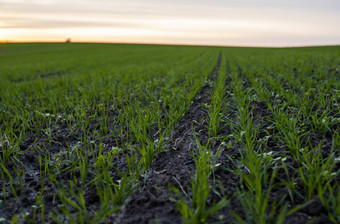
(167, 44)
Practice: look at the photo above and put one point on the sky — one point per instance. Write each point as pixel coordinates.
(199, 22)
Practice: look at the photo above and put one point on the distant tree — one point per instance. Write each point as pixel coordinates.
(68, 40)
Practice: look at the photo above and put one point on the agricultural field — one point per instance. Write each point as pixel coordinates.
(114, 133)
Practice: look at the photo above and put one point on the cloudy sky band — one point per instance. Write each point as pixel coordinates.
(215, 22)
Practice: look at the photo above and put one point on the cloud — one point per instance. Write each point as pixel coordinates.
(38, 23)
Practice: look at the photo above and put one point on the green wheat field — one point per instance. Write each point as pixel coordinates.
(120, 133)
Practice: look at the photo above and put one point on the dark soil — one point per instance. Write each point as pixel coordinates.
(50, 74)
(173, 167)
(40, 74)
(63, 138)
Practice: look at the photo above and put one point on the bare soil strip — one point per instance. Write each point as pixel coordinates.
(173, 167)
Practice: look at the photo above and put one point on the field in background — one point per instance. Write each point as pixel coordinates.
(115, 133)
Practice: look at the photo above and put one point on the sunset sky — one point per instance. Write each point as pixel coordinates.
(213, 22)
